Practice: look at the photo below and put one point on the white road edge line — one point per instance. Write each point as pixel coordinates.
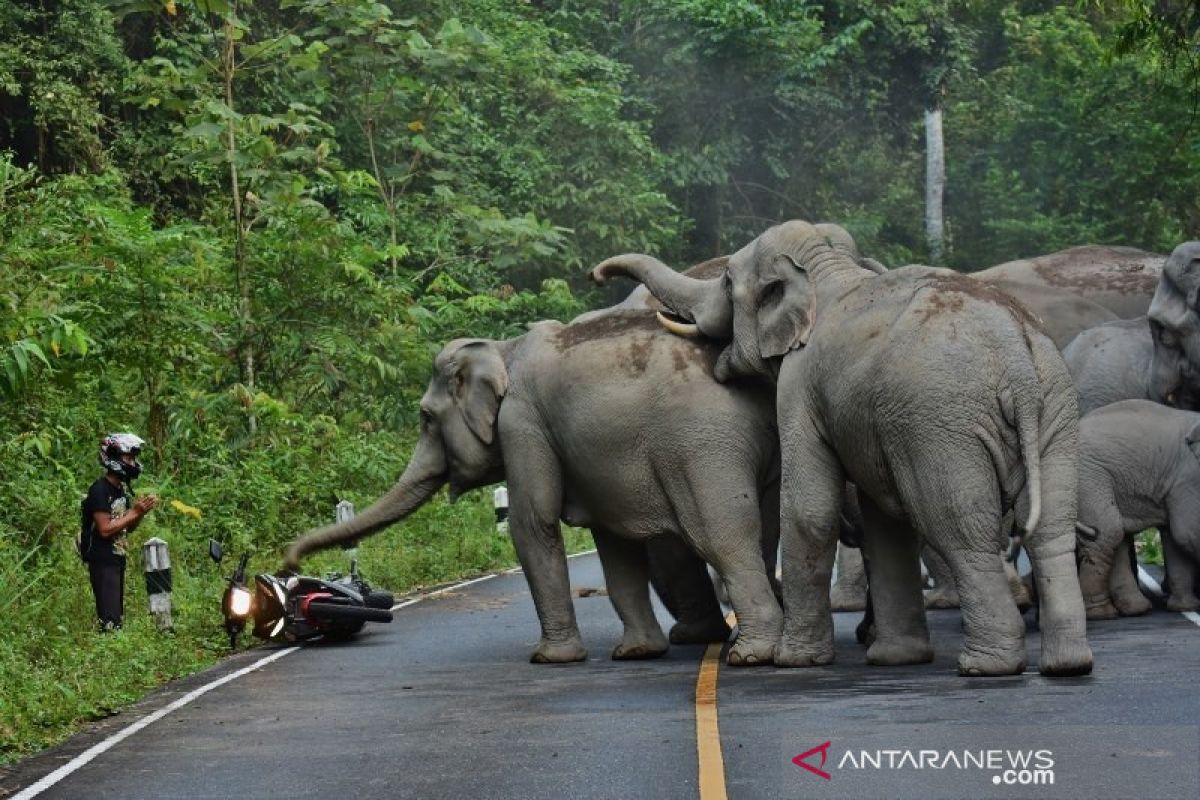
(1153, 585)
(515, 570)
(100, 747)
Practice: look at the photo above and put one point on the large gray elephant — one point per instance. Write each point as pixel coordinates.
(612, 424)
(944, 403)
(1139, 467)
(1175, 326)
(1121, 280)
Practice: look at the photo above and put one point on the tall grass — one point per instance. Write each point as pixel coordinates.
(58, 673)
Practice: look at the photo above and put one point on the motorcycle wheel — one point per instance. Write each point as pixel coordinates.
(378, 599)
(333, 611)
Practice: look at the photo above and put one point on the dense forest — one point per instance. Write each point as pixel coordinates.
(242, 229)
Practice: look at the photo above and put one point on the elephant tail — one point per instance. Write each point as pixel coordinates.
(1028, 411)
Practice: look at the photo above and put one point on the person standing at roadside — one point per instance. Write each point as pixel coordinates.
(109, 514)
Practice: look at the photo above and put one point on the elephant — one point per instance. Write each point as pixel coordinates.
(1111, 362)
(1121, 280)
(1175, 328)
(849, 591)
(871, 387)
(1139, 467)
(612, 424)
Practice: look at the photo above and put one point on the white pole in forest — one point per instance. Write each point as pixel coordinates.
(935, 185)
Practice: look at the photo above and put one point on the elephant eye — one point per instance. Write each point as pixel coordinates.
(1164, 336)
(771, 294)
(426, 417)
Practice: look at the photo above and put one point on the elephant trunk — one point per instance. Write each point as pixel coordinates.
(702, 301)
(422, 478)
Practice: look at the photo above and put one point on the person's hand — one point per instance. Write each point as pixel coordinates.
(145, 503)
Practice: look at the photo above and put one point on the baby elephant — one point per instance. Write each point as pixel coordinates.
(1139, 467)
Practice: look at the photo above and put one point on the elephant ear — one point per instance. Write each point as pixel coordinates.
(478, 381)
(787, 308)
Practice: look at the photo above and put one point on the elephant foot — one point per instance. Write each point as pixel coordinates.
(637, 651)
(847, 599)
(558, 652)
(704, 631)
(980, 664)
(899, 651)
(1133, 604)
(1105, 610)
(941, 598)
(793, 654)
(748, 652)
(1065, 658)
(1178, 603)
(864, 632)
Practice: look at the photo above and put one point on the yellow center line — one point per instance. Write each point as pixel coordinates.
(708, 731)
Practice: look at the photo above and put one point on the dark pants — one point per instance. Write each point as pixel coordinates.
(108, 585)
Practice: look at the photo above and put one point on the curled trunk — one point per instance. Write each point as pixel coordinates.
(704, 302)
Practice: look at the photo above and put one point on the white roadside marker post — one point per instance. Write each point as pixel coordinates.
(500, 503)
(156, 558)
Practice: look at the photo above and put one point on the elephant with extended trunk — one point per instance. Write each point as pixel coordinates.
(612, 424)
(944, 403)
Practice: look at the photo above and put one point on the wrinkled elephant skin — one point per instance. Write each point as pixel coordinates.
(608, 423)
(871, 388)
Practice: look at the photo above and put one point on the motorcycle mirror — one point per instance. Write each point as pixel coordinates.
(214, 550)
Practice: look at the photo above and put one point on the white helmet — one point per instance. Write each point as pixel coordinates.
(115, 445)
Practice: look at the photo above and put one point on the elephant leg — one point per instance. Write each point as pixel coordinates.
(535, 502)
(1181, 573)
(1123, 584)
(728, 535)
(901, 634)
(1097, 545)
(769, 517)
(849, 591)
(680, 577)
(964, 527)
(627, 575)
(810, 518)
(943, 594)
(1020, 591)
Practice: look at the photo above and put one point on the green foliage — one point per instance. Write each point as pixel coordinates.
(244, 228)
(1148, 545)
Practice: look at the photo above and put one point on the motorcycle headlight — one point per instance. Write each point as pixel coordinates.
(239, 602)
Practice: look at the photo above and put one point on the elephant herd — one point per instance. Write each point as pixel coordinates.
(798, 392)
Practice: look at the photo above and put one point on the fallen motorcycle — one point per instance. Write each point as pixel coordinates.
(297, 608)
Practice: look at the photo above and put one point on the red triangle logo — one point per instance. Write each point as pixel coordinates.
(823, 749)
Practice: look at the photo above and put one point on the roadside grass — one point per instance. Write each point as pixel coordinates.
(1148, 545)
(58, 673)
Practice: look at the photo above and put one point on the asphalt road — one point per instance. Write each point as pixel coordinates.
(443, 703)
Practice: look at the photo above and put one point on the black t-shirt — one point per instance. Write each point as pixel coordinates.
(103, 496)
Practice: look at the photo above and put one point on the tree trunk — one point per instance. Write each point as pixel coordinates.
(935, 185)
(241, 271)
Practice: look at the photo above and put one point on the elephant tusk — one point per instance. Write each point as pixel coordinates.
(686, 329)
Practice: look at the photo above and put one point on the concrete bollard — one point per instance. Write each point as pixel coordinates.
(500, 503)
(343, 512)
(156, 558)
